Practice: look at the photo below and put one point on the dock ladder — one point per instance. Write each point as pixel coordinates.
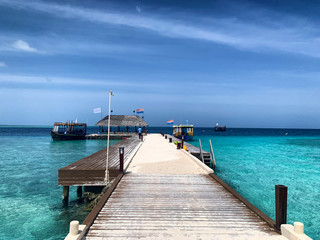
(205, 157)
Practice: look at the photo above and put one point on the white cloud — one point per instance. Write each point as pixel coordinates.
(23, 46)
(2, 64)
(138, 9)
(285, 34)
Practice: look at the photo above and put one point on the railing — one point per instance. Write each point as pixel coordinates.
(201, 153)
(213, 159)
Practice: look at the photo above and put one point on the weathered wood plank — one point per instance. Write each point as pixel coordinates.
(175, 206)
(91, 170)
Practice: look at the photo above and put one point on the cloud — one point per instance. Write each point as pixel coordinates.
(23, 46)
(268, 31)
(138, 9)
(2, 64)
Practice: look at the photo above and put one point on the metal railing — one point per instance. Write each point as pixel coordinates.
(201, 153)
(213, 159)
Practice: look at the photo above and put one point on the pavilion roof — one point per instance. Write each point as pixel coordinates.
(122, 121)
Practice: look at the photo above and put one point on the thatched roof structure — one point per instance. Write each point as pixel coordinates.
(122, 121)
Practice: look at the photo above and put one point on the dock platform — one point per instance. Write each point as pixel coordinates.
(90, 171)
(195, 151)
(166, 194)
(112, 136)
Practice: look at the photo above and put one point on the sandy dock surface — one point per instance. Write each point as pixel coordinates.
(158, 156)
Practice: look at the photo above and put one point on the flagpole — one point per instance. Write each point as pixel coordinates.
(107, 162)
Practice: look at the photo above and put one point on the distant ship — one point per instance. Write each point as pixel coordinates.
(218, 128)
(183, 130)
(69, 131)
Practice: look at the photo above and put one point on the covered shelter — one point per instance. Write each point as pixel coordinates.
(122, 121)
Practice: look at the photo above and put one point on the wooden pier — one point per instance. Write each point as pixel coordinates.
(90, 171)
(194, 151)
(168, 194)
(113, 136)
(163, 206)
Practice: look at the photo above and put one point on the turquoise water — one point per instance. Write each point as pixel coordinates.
(252, 161)
(30, 198)
(254, 164)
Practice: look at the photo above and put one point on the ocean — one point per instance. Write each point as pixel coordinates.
(252, 161)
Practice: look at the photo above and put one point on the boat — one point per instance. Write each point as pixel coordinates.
(218, 128)
(185, 131)
(69, 131)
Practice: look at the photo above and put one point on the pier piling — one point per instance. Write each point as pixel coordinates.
(65, 195)
(79, 191)
(121, 154)
(281, 193)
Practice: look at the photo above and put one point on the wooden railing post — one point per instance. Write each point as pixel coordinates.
(182, 142)
(281, 192)
(121, 157)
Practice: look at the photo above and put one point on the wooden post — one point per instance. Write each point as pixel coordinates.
(170, 140)
(281, 192)
(165, 137)
(121, 154)
(65, 195)
(178, 145)
(182, 141)
(79, 191)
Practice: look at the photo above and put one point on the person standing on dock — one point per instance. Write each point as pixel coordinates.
(139, 132)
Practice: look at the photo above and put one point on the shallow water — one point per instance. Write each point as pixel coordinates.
(30, 202)
(254, 163)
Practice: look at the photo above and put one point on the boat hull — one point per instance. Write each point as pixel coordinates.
(220, 128)
(66, 137)
(185, 138)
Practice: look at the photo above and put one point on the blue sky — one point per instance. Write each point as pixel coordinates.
(240, 63)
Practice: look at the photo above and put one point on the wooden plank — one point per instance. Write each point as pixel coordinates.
(91, 170)
(261, 214)
(95, 211)
(175, 206)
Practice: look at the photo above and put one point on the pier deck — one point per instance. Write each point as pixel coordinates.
(112, 136)
(173, 201)
(195, 151)
(90, 171)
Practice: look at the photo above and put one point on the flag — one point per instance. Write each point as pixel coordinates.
(170, 122)
(97, 110)
(140, 110)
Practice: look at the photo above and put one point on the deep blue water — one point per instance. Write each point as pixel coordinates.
(252, 161)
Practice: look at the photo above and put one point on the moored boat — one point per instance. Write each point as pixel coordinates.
(185, 131)
(218, 128)
(69, 131)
